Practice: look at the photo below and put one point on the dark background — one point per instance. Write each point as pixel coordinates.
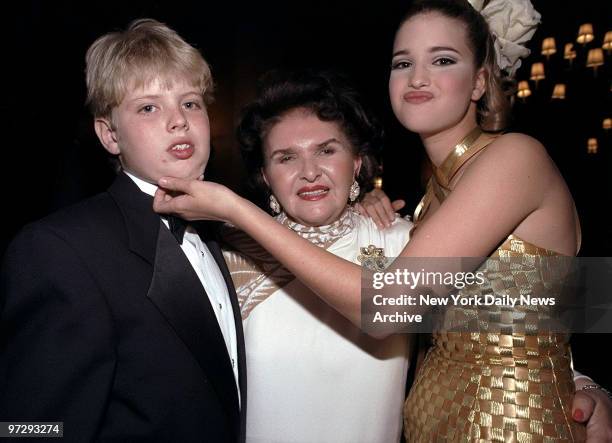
(52, 158)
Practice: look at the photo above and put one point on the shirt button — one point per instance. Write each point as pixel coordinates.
(233, 363)
(220, 306)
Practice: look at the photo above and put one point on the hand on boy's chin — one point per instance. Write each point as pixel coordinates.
(168, 194)
(194, 176)
(184, 176)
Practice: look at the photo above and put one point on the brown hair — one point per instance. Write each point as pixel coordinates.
(493, 107)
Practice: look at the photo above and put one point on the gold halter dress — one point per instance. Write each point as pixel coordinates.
(492, 383)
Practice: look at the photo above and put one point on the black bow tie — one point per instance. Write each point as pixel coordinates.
(177, 226)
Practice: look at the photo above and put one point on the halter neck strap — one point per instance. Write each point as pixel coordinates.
(467, 148)
(439, 183)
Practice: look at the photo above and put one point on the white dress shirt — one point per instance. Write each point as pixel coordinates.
(212, 280)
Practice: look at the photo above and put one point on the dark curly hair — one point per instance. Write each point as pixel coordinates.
(327, 95)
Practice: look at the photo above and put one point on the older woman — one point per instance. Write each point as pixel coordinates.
(314, 376)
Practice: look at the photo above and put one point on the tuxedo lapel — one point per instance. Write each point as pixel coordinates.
(176, 290)
(141, 222)
(178, 294)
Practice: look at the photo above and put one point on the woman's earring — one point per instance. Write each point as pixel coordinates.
(274, 204)
(354, 192)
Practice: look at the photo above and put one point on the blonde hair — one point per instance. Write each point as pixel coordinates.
(145, 51)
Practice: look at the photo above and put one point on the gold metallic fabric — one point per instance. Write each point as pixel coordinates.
(485, 385)
(505, 379)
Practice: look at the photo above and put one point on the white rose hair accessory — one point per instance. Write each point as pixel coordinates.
(513, 23)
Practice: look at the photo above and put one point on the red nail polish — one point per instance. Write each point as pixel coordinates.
(578, 415)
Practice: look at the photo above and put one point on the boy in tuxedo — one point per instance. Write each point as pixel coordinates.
(120, 323)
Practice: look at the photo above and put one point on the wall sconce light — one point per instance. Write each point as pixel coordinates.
(378, 182)
(607, 42)
(592, 146)
(537, 73)
(569, 53)
(559, 91)
(523, 89)
(595, 58)
(549, 47)
(607, 124)
(585, 34)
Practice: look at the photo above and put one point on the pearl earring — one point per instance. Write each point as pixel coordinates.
(354, 192)
(274, 205)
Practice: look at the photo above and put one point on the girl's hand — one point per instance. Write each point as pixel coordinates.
(593, 408)
(195, 199)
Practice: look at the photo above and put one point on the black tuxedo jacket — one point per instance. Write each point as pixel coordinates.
(104, 325)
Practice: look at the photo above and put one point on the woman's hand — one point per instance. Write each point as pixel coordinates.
(376, 204)
(195, 199)
(593, 408)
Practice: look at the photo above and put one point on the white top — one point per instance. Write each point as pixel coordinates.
(211, 278)
(312, 375)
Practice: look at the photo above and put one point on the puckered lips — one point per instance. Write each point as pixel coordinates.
(181, 149)
(417, 97)
(313, 193)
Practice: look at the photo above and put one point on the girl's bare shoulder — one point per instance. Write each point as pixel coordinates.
(514, 152)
